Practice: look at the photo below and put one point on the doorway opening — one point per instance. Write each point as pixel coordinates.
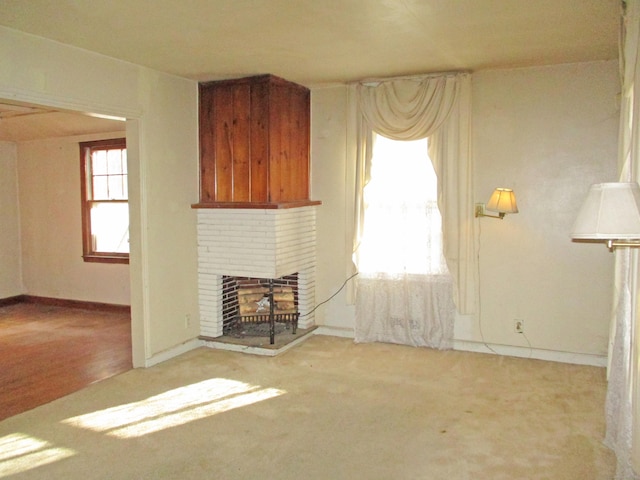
(36, 130)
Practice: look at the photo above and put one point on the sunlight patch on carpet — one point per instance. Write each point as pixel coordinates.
(20, 452)
(173, 408)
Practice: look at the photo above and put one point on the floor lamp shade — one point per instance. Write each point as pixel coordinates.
(611, 211)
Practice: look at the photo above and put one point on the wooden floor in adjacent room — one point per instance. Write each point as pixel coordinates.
(47, 352)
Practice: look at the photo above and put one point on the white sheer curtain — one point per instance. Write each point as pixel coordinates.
(405, 309)
(437, 107)
(623, 422)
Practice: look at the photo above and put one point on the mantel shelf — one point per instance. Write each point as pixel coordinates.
(261, 206)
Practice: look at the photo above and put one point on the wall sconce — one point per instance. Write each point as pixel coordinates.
(502, 200)
(610, 214)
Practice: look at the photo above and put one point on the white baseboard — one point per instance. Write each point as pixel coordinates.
(462, 345)
(173, 352)
(335, 331)
(537, 353)
(507, 350)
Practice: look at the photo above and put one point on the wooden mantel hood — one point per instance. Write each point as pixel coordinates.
(254, 143)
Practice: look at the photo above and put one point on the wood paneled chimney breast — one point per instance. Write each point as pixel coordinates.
(254, 143)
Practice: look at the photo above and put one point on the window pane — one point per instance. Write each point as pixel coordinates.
(99, 162)
(110, 227)
(100, 188)
(117, 187)
(114, 160)
(124, 162)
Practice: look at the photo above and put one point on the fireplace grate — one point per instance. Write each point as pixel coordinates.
(260, 307)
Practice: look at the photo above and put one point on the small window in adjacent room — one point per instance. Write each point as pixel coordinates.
(105, 207)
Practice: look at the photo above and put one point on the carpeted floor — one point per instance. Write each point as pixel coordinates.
(326, 409)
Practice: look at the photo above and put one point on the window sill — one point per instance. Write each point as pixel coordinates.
(106, 258)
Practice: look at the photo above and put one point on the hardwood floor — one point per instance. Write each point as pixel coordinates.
(48, 351)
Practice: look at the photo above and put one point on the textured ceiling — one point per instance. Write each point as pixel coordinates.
(320, 41)
(316, 42)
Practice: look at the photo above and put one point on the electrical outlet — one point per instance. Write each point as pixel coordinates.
(187, 321)
(518, 326)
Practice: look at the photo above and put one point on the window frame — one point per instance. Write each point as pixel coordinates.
(86, 148)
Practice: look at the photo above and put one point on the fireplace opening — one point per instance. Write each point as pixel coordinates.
(259, 306)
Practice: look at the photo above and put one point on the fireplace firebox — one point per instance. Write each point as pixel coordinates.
(259, 306)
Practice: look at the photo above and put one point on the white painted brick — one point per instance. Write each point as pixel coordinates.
(209, 296)
(210, 319)
(265, 243)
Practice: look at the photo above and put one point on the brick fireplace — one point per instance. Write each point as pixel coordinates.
(255, 216)
(256, 243)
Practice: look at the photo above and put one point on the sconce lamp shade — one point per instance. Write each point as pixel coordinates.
(610, 212)
(502, 200)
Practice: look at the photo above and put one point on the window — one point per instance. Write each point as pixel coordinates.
(402, 224)
(105, 207)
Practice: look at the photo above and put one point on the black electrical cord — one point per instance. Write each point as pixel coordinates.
(337, 292)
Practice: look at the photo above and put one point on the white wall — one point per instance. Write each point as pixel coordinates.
(10, 269)
(51, 237)
(162, 149)
(329, 173)
(548, 133)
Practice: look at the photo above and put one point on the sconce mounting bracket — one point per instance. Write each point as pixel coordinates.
(482, 212)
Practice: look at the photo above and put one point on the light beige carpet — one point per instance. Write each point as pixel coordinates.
(327, 409)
